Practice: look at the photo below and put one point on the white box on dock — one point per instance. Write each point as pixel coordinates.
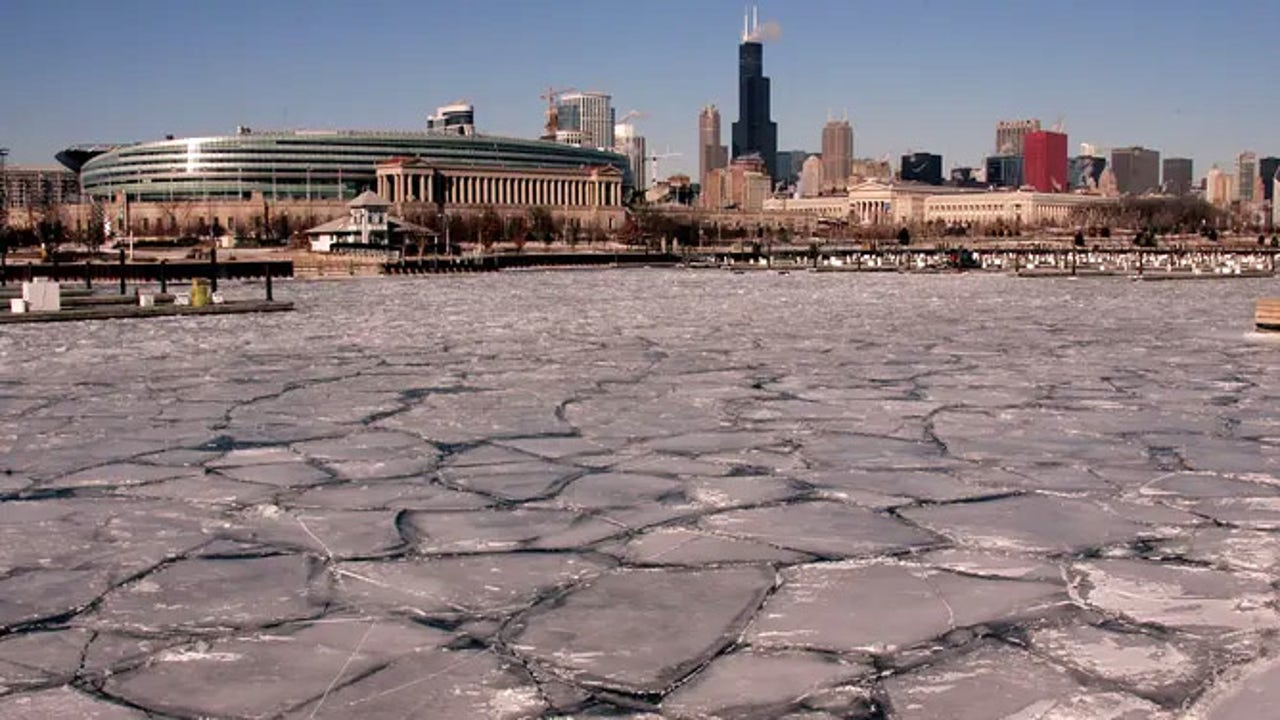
(42, 295)
(146, 300)
(17, 305)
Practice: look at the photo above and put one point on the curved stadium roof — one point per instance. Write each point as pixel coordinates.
(304, 163)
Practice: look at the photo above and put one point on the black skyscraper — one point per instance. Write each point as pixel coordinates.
(754, 133)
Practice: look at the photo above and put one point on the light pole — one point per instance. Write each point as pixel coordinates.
(4, 190)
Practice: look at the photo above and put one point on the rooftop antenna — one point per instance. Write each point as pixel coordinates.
(755, 19)
(746, 22)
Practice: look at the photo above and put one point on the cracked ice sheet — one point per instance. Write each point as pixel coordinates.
(686, 618)
(932, 390)
(752, 684)
(263, 675)
(1005, 683)
(882, 608)
(1197, 600)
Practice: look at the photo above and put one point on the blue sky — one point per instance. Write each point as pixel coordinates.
(1188, 78)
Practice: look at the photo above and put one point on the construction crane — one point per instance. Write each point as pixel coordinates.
(553, 118)
(653, 159)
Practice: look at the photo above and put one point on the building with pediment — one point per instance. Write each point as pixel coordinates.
(879, 202)
(593, 195)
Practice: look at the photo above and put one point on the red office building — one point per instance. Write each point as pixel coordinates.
(1044, 161)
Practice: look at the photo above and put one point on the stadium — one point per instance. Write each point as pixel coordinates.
(302, 164)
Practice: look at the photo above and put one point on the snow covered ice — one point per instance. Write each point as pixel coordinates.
(652, 494)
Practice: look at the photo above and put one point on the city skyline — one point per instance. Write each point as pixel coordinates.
(1115, 87)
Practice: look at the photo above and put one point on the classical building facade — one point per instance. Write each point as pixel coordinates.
(592, 195)
(889, 203)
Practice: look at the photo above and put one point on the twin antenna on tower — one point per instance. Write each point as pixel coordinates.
(750, 22)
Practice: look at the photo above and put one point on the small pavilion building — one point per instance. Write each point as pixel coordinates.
(368, 226)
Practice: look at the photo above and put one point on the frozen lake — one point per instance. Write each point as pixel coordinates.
(649, 493)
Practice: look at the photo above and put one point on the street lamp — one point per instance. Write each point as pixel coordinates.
(4, 190)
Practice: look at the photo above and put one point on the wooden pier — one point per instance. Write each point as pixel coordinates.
(161, 273)
(117, 311)
(88, 303)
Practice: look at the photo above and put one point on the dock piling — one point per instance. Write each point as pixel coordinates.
(213, 269)
(164, 276)
(123, 290)
(269, 296)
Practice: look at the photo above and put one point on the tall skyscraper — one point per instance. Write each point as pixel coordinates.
(1044, 161)
(711, 154)
(1246, 170)
(1177, 174)
(837, 154)
(1010, 135)
(1274, 185)
(588, 113)
(1219, 188)
(922, 167)
(632, 144)
(1267, 168)
(754, 133)
(1137, 170)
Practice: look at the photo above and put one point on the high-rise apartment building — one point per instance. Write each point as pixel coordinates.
(1267, 168)
(1010, 135)
(1044, 161)
(1177, 176)
(1246, 170)
(754, 133)
(837, 154)
(1137, 170)
(711, 154)
(632, 144)
(922, 167)
(588, 113)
